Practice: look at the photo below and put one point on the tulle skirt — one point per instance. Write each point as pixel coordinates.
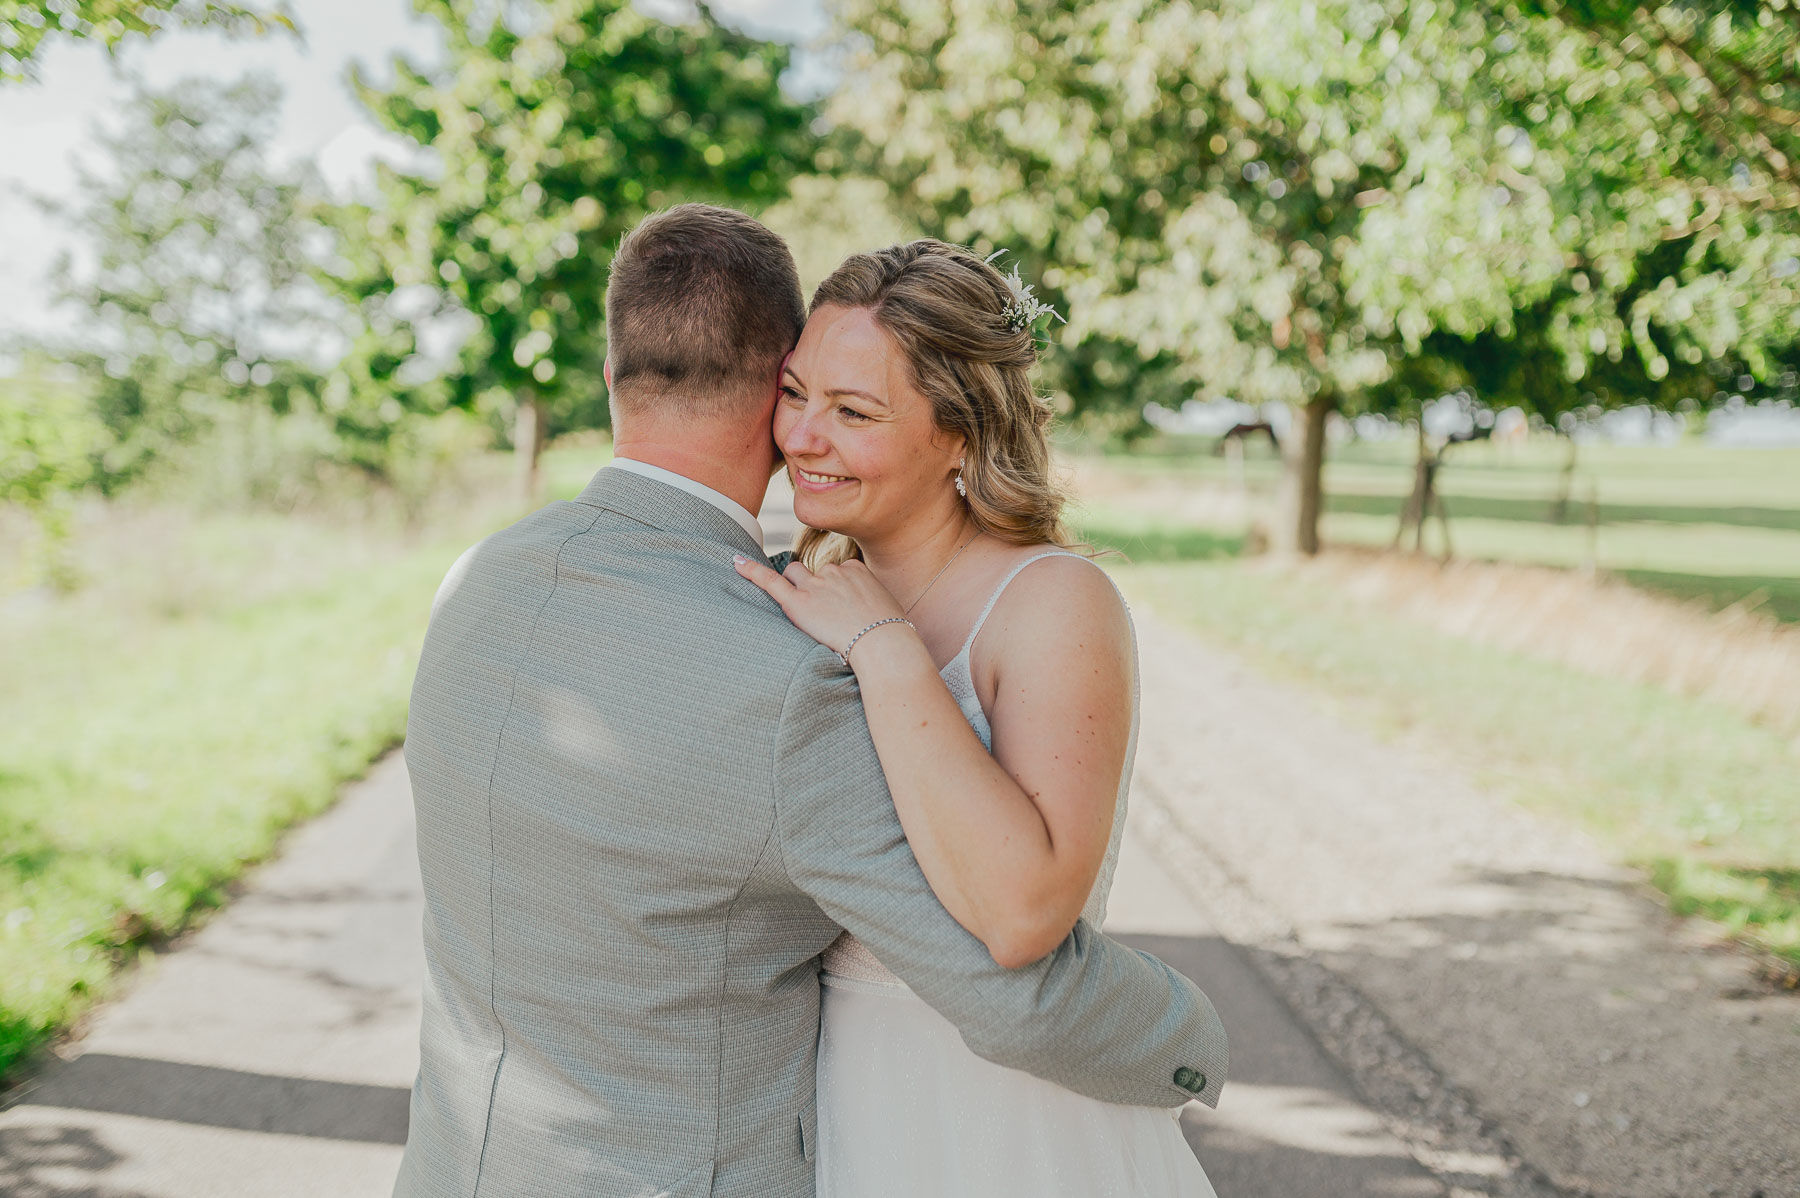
(906, 1110)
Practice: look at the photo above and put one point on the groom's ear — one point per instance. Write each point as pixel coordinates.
(606, 372)
(780, 461)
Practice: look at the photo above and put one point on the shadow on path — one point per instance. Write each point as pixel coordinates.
(1520, 1007)
(1290, 1123)
(29, 1155)
(228, 1098)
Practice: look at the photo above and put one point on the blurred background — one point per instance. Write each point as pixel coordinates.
(1442, 356)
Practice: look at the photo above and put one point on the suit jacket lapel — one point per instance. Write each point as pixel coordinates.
(659, 505)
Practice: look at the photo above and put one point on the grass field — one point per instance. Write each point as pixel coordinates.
(216, 679)
(1718, 525)
(1702, 797)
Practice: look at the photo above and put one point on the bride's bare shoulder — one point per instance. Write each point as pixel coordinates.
(1063, 599)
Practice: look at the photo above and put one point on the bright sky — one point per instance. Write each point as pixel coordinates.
(45, 125)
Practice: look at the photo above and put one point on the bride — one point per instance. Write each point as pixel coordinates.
(998, 672)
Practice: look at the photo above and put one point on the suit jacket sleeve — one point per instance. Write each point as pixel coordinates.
(1094, 1016)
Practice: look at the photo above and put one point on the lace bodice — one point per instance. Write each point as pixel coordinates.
(847, 957)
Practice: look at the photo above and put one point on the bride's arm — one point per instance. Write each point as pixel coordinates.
(1010, 842)
(1016, 837)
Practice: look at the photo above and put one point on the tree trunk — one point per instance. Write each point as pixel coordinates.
(1443, 515)
(528, 443)
(1302, 478)
(1559, 510)
(1592, 561)
(1412, 512)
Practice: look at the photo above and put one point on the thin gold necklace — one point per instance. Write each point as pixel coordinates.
(940, 573)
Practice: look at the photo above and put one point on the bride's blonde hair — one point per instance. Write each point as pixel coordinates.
(946, 310)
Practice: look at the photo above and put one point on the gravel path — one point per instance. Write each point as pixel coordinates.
(269, 1054)
(1527, 1016)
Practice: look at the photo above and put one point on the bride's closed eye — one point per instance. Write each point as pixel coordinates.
(788, 393)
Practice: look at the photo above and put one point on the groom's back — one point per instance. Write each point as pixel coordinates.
(621, 996)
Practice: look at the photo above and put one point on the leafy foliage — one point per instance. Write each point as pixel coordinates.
(1676, 203)
(1242, 199)
(1724, 71)
(49, 439)
(1346, 204)
(551, 132)
(27, 25)
(1220, 189)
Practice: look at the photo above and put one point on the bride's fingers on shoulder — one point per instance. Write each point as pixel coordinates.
(762, 576)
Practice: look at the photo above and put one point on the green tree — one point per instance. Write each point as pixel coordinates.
(551, 132)
(26, 26)
(1672, 183)
(1725, 72)
(193, 284)
(1676, 184)
(1213, 192)
(1333, 204)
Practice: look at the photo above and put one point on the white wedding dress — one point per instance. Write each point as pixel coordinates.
(907, 1111)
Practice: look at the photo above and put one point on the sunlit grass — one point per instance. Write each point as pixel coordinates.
(1762, 905)
(1697, 794)
(218, 678)
(1721, 526)
(1135, 537)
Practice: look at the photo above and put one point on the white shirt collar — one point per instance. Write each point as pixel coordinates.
(682, 482)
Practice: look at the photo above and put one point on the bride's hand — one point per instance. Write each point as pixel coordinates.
(832, 605)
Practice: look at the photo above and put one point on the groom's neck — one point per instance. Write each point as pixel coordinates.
(737, 463)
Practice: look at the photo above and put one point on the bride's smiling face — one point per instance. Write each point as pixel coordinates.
(863, 452)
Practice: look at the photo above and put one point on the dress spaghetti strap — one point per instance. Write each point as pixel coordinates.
(994, 599)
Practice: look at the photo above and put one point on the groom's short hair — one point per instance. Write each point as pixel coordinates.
(702, 304)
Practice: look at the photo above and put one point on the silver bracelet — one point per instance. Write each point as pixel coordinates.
(844, 653)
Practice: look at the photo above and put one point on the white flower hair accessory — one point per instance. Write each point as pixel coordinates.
(1023, 309)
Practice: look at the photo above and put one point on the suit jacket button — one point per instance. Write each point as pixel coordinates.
(1190, 1080)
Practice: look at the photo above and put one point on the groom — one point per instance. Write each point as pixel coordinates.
(646, 803)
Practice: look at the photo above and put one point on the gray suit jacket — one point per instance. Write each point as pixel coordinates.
(646, 803)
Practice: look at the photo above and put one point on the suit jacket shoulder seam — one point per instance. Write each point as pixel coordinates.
(610, 510)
